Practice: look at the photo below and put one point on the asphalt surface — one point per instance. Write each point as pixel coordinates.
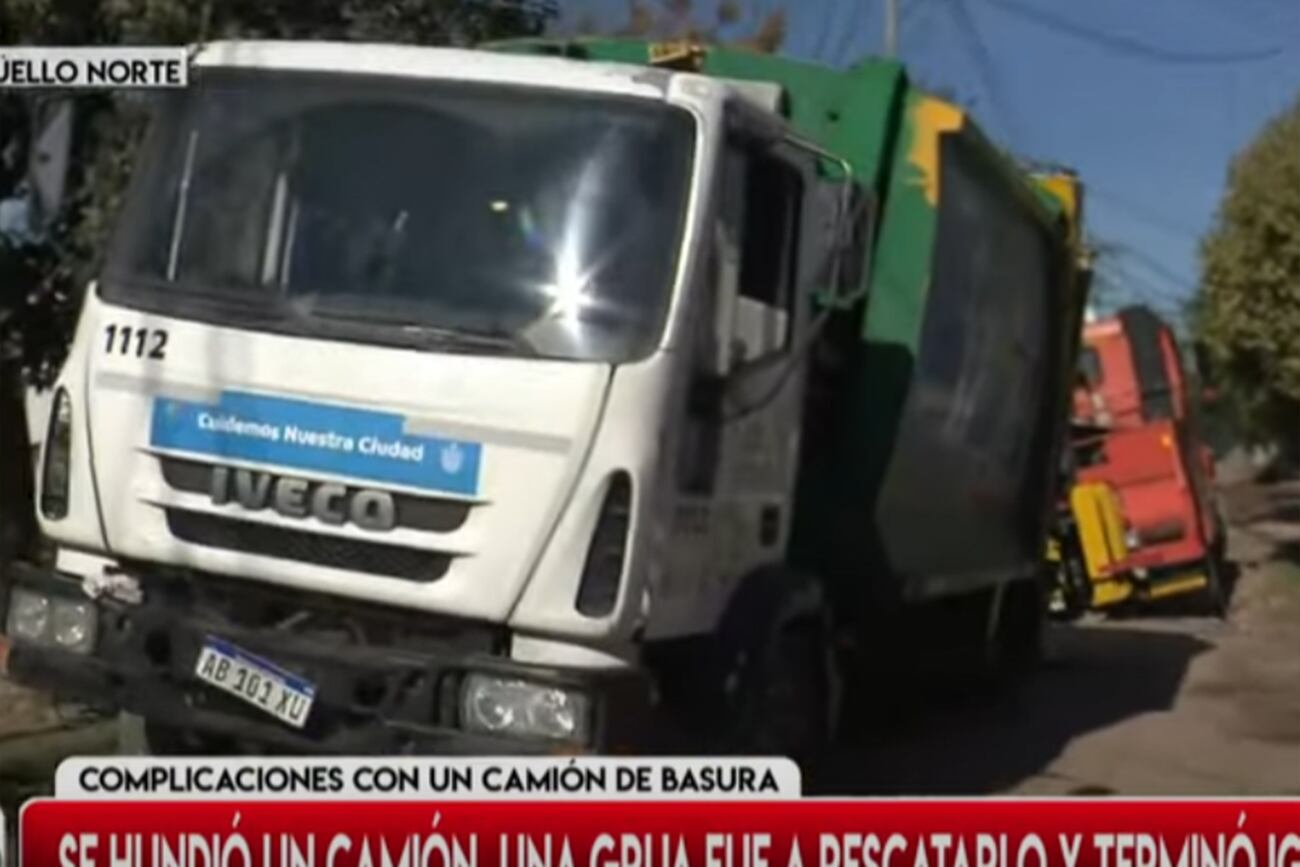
(1156, 705)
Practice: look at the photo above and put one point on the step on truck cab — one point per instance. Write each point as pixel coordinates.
(480, 401)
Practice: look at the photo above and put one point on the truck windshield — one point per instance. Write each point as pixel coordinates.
(487, 218)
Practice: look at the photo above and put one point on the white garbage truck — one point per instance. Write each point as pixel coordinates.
(439, 400)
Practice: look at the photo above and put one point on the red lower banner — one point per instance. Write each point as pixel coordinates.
(892, 833)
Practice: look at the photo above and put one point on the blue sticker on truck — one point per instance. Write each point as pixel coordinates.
(339, 440)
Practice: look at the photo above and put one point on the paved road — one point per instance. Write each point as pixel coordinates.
(1162, 705)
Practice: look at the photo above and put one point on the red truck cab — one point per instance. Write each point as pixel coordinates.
(1134, 391)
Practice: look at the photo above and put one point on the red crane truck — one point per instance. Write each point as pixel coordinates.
(1145, 445)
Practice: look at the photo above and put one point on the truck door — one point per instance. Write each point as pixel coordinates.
(757, 317)
(736, 468)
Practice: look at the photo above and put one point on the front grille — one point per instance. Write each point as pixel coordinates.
(285, 544)
(413, 513)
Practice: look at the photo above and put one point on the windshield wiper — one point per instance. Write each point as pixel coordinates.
(436, 337)
(456, 338)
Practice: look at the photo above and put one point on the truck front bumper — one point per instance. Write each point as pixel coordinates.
(370, 699)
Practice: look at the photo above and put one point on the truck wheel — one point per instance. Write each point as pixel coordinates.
(784, 705)
(1215, 595)
(1078, 587)
(1022, 626)
(780, 685)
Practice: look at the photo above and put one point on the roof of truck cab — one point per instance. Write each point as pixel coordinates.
(852, 111)
(457, 64)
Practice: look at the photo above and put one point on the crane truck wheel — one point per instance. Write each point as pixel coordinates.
(1215, 595)
(779, 676)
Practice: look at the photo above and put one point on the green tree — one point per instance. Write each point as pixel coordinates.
(1247, 313)
(40, 286)
(679, 19)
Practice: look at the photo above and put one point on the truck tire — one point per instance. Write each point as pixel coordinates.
(1022, 626)
(784, 706)
(1076, 587)
(779, 677)
(1215, 594)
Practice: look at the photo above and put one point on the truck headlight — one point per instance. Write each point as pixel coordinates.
(29, 615)
(1132, 539)
(57, 472)
(518, 708)
(52, 621)
(73, 625)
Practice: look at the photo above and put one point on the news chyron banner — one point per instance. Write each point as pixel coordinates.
(93, 67)
(590, 812)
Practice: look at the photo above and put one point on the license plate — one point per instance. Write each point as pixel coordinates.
(262, 684)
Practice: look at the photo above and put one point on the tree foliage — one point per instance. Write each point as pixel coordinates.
(679, 19)
(1247, 314)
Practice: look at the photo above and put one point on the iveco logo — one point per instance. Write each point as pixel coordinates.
(298, 498)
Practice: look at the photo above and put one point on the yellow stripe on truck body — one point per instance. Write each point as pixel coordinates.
(1100, 522)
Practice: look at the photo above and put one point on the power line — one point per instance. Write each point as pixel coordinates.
(1154, 264)
(984, 64)
(1143, 212)
(915, 24)
(1241, 17)
(1178, 291)
(1115, 254)
(823, 36)
(1123, 282)
(1127, 45)
(847, 33)
(909, 10)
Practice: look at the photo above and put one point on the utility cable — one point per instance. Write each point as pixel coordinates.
(1113, 251)
(1179, 291)
(824, 35)
(1153, 264)
(915, 26)
(985, 65)
(1128, 45)
(909, 10)
(1124, 285)
(844, 44)
(1143, 212)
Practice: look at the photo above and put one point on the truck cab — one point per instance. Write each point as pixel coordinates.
(1145, 445)
(394, 419)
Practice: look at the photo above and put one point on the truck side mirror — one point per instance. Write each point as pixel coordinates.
(748, 385)
(839, 265)
(754, 382)
(853, 266)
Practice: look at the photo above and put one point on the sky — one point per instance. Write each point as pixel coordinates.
(1148, 100)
